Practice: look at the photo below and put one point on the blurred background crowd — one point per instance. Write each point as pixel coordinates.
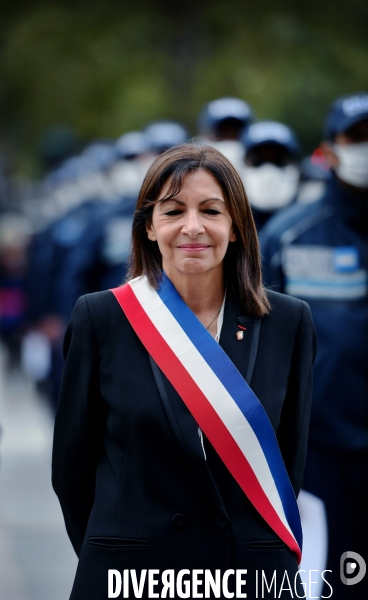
(71, 234)
(92, 92)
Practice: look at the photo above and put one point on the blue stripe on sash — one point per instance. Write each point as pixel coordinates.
(242, 394)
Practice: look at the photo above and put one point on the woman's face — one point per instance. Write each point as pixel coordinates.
(193, 229)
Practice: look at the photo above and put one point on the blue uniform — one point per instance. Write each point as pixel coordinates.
(47, 283)
(99, 261)
(50, 255)
(319, 252)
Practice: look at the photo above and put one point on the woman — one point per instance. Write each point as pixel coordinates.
(167, 459)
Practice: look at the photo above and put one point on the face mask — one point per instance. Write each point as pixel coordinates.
(353, 163)
(233, 150)
(269, 187)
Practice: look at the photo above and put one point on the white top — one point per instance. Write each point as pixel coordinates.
(220, 320)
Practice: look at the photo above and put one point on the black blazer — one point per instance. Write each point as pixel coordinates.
(135, 486)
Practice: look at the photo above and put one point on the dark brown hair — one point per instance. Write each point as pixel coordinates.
(242, 263)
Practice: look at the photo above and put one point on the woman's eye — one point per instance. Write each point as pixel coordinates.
(173, 212)
(212, 211)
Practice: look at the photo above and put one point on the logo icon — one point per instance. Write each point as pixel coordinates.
(351, 563)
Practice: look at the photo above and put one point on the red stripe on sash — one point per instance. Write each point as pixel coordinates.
(202, 411)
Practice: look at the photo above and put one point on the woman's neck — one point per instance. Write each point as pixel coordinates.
(202, 292)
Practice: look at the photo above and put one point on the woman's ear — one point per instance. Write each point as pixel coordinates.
(233, 236)
(151, 232)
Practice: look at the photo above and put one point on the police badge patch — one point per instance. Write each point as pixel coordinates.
(324, 272)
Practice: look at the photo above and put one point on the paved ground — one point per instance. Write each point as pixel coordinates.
(37, 561)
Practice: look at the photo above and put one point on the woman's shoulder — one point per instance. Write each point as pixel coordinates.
(97, 301)
(98, 323)
(101, 308)
(287, 308)
(280, 301)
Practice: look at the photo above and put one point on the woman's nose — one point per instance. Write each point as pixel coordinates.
(192, 224)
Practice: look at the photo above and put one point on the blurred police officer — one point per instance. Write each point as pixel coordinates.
(79, 191)
(271, 171)
(15, 235)
(224, 119)
(319, 252)
(314, 174)
(222, 123)
(162, 135)
(100, 259)
(137, 150)
(134, 158)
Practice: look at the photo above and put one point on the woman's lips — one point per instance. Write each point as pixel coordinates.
(194, 247)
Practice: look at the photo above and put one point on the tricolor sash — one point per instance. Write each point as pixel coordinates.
(220, 400)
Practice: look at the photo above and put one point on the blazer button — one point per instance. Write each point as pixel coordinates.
(178, 520)
(221, 521)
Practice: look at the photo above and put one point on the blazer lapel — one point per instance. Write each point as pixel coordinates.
(241, 352)
(186, 433)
